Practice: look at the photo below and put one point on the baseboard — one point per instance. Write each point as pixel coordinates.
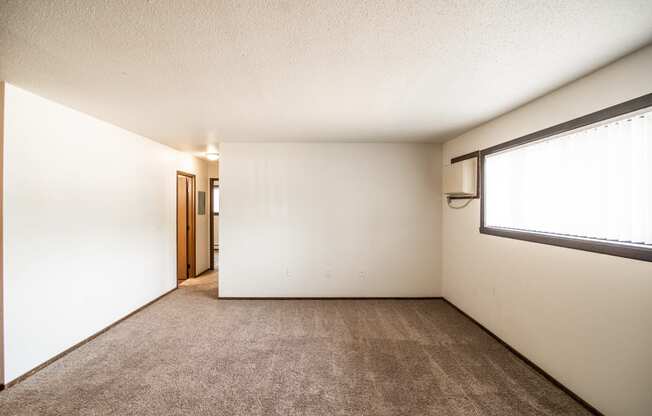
(527, 361)
(329, 298)
(79, 344)
(199, 274)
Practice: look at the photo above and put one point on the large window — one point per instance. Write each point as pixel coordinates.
(585, 184)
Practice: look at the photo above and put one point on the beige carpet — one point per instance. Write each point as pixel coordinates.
(191, 354)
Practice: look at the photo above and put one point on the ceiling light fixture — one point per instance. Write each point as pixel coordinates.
(212, 156)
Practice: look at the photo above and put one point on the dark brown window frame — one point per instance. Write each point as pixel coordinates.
(211, 238)
(619, 249)
(215, 183)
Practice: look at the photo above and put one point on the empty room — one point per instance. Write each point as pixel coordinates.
(353, 208)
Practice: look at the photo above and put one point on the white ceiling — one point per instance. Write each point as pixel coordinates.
(193, 73)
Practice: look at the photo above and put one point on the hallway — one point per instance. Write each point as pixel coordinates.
(189, 353)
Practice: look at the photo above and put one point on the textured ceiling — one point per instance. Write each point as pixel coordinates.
(193, 73)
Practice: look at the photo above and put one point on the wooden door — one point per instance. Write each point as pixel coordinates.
(185, 225)
(182, 227)
(190, 198)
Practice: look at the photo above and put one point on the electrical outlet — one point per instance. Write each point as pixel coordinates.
(362, 275)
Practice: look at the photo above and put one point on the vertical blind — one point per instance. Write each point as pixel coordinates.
(592, 183)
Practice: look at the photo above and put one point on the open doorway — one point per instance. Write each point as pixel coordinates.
(214, 221)
(185, 226)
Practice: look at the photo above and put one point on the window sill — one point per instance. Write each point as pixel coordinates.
(631, 251)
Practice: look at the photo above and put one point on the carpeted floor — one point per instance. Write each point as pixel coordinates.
(191, 354)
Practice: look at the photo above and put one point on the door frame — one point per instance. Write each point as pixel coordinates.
(192, 242)
(211, 182)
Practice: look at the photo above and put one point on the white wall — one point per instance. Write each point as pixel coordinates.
(213, 169)
(329, 219)
(2, 308)
(89, 226)
(202, 227)
(585, 318)
(216, 230)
